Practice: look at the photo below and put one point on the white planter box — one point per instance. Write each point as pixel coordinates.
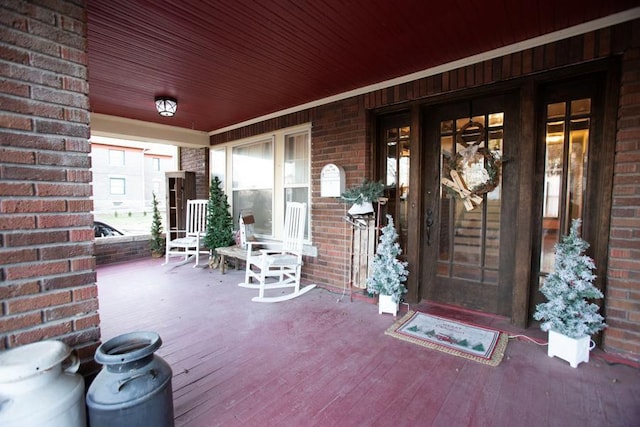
(386, 304)
(573, 350)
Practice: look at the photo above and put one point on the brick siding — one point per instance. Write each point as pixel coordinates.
(112, 250)
(339, 135)
(623, 275)
(196, 160)
(48, 281)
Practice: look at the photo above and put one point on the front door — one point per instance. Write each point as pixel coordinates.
(467, 247)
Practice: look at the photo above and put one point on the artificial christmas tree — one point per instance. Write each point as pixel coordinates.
(567, 289)
(219, 222)
(388, 272)
(157, 240)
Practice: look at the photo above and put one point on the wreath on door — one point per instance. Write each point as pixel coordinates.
(474, 170)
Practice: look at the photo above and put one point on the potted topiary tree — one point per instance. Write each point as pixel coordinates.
(219, 222)
(567, 315)
(157, 239)
(363, 196)
(388, 273)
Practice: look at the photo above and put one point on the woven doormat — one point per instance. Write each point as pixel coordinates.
(472, 342)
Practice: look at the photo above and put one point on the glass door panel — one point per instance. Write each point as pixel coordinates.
(565, 173)
(396, 141)
(469, 239)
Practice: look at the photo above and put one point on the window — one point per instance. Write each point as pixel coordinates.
(296, 170)
(266, 172)
(394, 148)
(117, 186)
(566, 144)
(252, 172)
(156, 164)
(218, 160)
(116, 157)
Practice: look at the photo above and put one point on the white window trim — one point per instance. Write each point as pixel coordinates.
(116, 150)
(123, 178)
(278, 139)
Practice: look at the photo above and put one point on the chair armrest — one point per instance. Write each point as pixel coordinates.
(177, 232)
(251, 246)
(279, 251)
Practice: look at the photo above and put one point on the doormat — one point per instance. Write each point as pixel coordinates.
(472, 342)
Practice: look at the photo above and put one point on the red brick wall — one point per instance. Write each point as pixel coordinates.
(122, 248)
(623, 275)
(339, 135)
(288, 120)
(197, 160)
(47, 276)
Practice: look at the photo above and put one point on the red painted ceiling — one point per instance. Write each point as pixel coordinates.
(234, 60)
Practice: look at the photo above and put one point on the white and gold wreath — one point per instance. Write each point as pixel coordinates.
(474, 170)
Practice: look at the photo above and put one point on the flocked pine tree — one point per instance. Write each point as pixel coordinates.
(219, 222)
(388, 273)
(567, 289)
(157, 241)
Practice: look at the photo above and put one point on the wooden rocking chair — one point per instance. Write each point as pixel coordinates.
(282, 262)
(190, 244)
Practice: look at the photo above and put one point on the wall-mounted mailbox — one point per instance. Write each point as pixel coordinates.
(331, 181)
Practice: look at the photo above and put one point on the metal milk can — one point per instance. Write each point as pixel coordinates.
(134, 386)
(39, 386)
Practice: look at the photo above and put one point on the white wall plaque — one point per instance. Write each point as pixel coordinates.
(331, 181)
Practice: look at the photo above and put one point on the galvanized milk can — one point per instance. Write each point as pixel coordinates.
(39, 386)
(134, 386)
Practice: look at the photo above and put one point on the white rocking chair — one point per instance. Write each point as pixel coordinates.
(282, 262)
(190, 244)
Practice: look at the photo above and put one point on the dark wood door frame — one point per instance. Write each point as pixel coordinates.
(524, 160)
(410, 114)
(477, 294)
(601, 88)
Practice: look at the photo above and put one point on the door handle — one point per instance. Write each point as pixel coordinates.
(429, 223)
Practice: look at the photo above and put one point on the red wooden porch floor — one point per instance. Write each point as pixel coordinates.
(321, 360)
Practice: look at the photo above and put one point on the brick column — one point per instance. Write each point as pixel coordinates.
(623, 274)
(47, 274)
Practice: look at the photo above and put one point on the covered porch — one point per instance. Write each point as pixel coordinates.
(322, 359)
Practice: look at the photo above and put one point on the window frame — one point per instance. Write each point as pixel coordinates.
(120, 160)
(278, 138)
(122, 179)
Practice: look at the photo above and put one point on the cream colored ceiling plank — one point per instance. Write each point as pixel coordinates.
(138, 130)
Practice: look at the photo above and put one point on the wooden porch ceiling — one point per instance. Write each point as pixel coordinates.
(234, 60)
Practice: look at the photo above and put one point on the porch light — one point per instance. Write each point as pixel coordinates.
(166, 106)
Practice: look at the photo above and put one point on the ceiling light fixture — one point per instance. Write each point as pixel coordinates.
(166, 106)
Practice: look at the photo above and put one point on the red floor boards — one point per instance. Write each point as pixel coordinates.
(321, 360)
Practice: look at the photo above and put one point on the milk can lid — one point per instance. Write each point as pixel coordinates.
(31, 359)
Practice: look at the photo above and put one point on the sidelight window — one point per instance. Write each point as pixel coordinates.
(397, 153)
(565, 171)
